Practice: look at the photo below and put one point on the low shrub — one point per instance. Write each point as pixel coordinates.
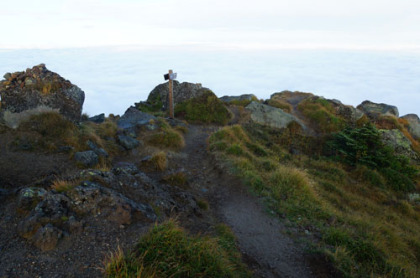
(178, 179)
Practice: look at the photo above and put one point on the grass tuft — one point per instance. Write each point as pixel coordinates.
(159, 161)
(168, 251)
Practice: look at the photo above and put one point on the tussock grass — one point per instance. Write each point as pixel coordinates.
(367, 228)
(159, 161)
(177, 179)
(168, 251)
(64, 185)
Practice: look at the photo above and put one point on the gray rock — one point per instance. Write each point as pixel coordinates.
(413, 125)
(43, 89)
(374, 110)
(249, 97)
(128, 142)
(397, 140)
(125, 168)
(46, 238)
(87, 158)
(98, 118)
(29, 197)
(3, 194)
(181, 92)
(133, 118)
(97, 200)
(99, 151)
(270, 116)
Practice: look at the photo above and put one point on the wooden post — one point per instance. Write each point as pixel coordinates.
(171, 99)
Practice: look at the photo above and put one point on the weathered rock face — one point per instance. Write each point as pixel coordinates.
(270, 116)
(181, 92)
(348, 112)
(398, 142)
(413, 125)
(374, 110)
(133, 118)
(39, 87)
(246, 97)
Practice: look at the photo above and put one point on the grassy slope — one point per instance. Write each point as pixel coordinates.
(363, 228)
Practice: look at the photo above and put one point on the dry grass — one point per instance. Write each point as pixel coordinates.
(64, 185)
(159, 161)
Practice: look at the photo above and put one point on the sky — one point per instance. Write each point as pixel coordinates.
(117, 50)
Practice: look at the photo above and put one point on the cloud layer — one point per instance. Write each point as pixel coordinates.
(115, 78)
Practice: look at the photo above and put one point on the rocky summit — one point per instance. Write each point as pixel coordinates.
(38, 89)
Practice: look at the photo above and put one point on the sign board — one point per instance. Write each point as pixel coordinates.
(170, 76)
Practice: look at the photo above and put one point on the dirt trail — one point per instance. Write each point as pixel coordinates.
(261, 238)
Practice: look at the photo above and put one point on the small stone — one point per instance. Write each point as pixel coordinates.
(87, 158)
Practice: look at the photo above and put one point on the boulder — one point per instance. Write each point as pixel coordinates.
(348, 112)
(241, 98)
(128, 142)
(374, 110)
(87, 158)
(270, 116)
(39, 87)
(413, 125)
(181, 92)
(97, 119)
(133, 118)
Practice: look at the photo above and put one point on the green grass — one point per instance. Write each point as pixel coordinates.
(206, 109)
(165, 137)
(367, 227)
(168, 251)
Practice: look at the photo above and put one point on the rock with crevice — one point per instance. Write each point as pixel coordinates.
(398, 142)
(375, 110)
(271, 116)
(36, 88)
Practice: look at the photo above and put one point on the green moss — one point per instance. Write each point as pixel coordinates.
(206, 108)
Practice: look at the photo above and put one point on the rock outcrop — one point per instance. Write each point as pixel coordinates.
(134, 118)
(413, 125)
(348, 112)
(40, 89)
(398, 142)
(181, 92)
(374, 110)
(270, 116)
(241, 98)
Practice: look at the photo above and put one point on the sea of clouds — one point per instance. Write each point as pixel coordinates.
(114, 78)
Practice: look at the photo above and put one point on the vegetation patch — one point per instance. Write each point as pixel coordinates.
(356, 202)
(177, 179)
(321, 115)
(159, 161)
(168, 251)
(166, 137)
(206, 109)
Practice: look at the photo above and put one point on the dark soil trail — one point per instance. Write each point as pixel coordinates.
(261, 237)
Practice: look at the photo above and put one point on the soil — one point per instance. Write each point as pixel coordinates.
(264, 240)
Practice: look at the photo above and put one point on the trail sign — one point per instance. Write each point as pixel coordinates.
(170, 76)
